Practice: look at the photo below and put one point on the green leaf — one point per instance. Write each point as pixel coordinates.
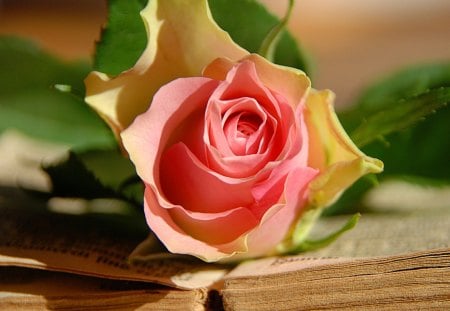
(387, 91)
(25, 66)
(100, 162)
(71, 178)
(247, 22)
(421, 151)
(400, 116)
(30, 103)
(405, 83)
(90, 175)
(123, 39)
(122, 179)
(310, 245)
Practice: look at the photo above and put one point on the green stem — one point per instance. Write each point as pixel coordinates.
(270, 42)
(310, 245)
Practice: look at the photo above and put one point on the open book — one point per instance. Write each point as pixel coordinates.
(58, 261)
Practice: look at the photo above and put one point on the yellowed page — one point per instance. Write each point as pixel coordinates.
(384, 234)
(32, 237)
(25, 289)
(394, 226)
(412, 281)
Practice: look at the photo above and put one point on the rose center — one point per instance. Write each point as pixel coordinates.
(248, 124)
(243, 132)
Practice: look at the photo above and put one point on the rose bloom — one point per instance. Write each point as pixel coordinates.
(231, 154)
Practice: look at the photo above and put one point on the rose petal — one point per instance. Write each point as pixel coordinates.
(277, 221)
(243, 82)
(218, 68)
(292, 83)
(177, 241)
(332, 152)
(236, 166)
(150, 132)
(187, 182)
(225, 135)
(182, 39)
(217, 228)
(269, 190)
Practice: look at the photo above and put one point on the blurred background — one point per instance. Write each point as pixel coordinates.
(352, 42)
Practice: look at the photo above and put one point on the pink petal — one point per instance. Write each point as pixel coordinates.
(177, 241)
(246, 166)
(151, 132)
(292, 83)
(268, 191)
(242, 92)
(243, 81)
(217, 228)
(232, 119)
(187, 182)
(277, 221)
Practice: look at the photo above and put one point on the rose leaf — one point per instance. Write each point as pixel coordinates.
(123, 39)
(95, 174)
(401, 115)
(388, 90)
(30, 103)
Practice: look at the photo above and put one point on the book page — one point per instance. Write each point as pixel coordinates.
(387, 233)
(382, 232)
(411, 281)
(22, 288)
(340, 267)
(277, 265)
(30, 236)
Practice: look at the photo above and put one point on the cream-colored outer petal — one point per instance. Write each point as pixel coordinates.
(331, 151)
(292, 83)
(182, 39)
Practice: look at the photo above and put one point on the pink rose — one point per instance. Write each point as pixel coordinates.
(233, 149)
(226, 158)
